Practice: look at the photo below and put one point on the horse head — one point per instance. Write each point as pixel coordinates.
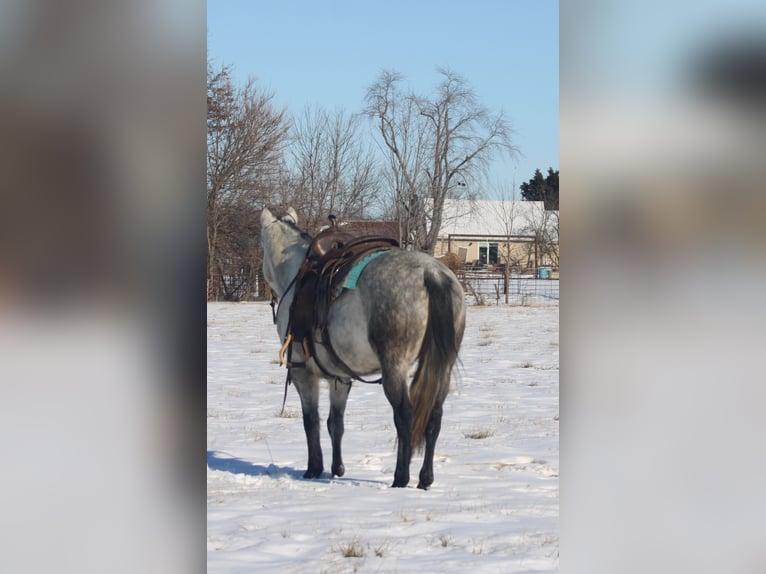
(289, 216)
(284, 245)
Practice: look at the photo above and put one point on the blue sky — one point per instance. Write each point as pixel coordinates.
(326, 52)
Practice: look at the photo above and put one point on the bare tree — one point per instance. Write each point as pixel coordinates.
(238, 254)
(404, 135)
(333, 171)
(544, 224)
(507, 213)
(434, 146)
(245, 141)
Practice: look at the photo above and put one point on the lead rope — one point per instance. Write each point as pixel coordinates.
(289, 376)
(287, 347)
(288, 380)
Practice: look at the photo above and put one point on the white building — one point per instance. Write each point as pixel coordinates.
(491, 232)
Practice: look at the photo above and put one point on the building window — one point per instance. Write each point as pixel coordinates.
(488, 253)
(493, 253)
(483, 253)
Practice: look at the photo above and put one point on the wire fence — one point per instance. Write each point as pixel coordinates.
(487, 288)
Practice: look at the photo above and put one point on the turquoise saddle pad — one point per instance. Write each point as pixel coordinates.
(353, 276)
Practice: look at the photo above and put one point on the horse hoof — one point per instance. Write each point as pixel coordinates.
(312, 474)
(422, 486)
(399, 484)
(340, 470)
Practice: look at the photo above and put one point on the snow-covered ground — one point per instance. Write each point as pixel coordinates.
(493, 506)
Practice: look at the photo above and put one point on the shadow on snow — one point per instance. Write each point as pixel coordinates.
(238, 466)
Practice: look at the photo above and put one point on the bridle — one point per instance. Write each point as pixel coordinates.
(276, 300)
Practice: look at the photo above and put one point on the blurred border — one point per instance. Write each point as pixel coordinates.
(102, 285)
(662, 144)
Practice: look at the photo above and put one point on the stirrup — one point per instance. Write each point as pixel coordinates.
(283, 350)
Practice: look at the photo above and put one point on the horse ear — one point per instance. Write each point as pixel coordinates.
(293, 214)
(266, 217)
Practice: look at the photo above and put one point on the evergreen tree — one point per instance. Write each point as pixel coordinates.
(544, 189)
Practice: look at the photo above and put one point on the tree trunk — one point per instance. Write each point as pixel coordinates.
(506, 280)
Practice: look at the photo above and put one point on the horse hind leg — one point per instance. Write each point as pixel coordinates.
(395, 388)
(307, 386)
(433, 428)
(339, 391)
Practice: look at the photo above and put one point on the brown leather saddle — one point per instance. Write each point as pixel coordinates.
(332, 255)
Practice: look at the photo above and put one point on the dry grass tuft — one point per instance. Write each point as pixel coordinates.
(479, 434)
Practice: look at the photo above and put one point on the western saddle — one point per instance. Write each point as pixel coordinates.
(330, 258)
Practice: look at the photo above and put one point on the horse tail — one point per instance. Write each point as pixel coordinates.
(438, 352)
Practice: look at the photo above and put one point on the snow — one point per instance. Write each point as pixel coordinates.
(493, 506)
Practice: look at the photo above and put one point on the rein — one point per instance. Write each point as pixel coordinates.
(276, 300)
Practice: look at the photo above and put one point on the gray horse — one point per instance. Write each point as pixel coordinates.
(407, 308)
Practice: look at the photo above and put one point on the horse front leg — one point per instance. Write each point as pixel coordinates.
(395, 388)
(307, 386)
(339, 391)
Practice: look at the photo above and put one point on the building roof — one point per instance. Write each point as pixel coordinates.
(490, 217)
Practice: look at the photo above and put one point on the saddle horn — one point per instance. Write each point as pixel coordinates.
(333, 220)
